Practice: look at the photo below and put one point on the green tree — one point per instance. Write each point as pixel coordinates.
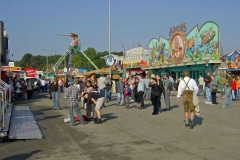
(26, 60)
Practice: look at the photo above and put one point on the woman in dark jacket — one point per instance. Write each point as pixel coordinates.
(154, 94)
(135, 92)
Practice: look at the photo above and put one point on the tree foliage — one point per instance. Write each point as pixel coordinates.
(78, 60)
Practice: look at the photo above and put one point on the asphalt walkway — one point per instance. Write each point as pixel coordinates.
(131, 134)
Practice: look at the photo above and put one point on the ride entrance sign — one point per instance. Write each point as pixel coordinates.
(110, 60)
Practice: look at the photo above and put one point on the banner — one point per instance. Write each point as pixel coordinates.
(30, 72)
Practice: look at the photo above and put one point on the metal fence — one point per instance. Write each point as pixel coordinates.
(5, 99)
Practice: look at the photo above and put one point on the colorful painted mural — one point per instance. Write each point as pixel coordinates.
(199, 44)
(232, 59)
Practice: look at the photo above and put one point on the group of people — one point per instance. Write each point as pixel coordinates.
(92, 95)
(228, 83)
(140, 88)
(21, 89)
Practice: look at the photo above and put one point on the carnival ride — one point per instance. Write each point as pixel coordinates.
(74, 47)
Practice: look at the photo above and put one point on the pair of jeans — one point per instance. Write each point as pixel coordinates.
(132, 95)
(102, 92)
(61, 88)
(78, 111)
(208, 94)
(222, 86)
(238, 93)
(108, 94)
(228, 97)
(55, 99)
(120, 99)
(147, 94)
(234, 94)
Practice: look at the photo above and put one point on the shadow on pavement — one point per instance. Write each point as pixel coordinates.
(109, 116)
(198, 120)
(22, 156)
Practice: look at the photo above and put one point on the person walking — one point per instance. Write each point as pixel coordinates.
(53, 89)
(160, 85)
(101, 83)
(60, 84)
(213, 89)
(147, 94)
(109, 85)
(131, 82)
(227, 102)
(234, 89)
(29, 89)
(72, 96)
(97, 99)
(126, 94)
(154, 95)
(136, 95)
(167, 89)
(222, 82)
(119, 90)
(207, 81)
(238, 87)
(186, 88)
(140, 89)
(200, 84)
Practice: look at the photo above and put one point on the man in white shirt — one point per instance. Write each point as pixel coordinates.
(43, 84)
(186, 88)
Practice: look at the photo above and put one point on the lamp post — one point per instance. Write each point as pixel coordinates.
(109, 36)
(47, 50)
(65, 48)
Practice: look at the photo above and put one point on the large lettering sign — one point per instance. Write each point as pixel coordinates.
(179, 28)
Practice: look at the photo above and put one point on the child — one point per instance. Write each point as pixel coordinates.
(126, 94)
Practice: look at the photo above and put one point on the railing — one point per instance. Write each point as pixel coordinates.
(5, 99)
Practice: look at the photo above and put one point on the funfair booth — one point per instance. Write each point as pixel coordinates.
(196, 51)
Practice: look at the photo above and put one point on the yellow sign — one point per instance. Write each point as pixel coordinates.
(9, 68)
(115, 76)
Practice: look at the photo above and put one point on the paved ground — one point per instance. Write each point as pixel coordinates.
(130, 134)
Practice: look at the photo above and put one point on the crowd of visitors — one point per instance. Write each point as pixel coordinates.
(93, 94)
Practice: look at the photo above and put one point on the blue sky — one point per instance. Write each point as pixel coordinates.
(32, 25)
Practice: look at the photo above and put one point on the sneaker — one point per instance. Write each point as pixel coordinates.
(206, 102)
(186, 124)
(222, 107)
(190, 123)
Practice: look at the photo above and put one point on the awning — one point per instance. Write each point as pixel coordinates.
(228, 69)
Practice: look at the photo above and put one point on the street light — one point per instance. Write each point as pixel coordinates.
(47, 50)
(109, 36)
(65, 48)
